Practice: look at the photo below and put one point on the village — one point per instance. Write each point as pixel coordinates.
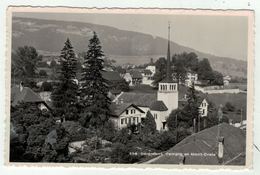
(156, 107)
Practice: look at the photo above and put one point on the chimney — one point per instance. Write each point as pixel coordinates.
(220, 149)
(21, 86)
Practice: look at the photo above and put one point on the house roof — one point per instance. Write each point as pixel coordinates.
(118, 109)
(136, 74)
(205, 142)
(158, 106)
(147, 71)
(26, 95)
(111, 75)
(139, 99)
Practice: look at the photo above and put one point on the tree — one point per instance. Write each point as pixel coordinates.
(172, 120)
(53, 64)
(65, 94)
(218, 78)
(94, 91)
(149, 125)
(24, 61)
(205, 70)
(160, 74)
(191, 110)
(31, 128)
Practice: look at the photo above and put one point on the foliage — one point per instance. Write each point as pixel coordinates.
(42, 73)
(172, 120)
(94, 91)
(53, 64)
(46, 86)
(24, 62)
(64, 96)
(160, 74)
(149, 125)
(229, 107)
(32, 127)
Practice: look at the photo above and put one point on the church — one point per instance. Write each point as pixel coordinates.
(132, 108)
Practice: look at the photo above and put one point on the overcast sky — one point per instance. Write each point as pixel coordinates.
(218, 35)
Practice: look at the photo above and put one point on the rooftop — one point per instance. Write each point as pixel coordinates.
(25, 95)
(158, 106)
(205, 142)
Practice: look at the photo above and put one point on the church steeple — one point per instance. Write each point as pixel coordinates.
(168, 71)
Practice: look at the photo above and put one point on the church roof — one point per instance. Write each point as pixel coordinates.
(168, 80)
(139, 99)
(158, 106)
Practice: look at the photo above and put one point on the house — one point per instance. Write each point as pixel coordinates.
(126, 114)
(218, 145)
(136, 77)
(191, 77)
(128, 78)
(27, 95)
(152, 68)
(147, 77)
(226, 80)
(204, 108)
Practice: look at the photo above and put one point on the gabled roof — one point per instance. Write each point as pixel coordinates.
(147, 71)
(26, 95)
(139, 99)
(111, 75)
(136, 74)
(118, 109)
(158, 106)
(205, 141)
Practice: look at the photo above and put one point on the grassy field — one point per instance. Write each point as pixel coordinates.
(239, 101)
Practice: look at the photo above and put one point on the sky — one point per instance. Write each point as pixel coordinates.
(225, 36)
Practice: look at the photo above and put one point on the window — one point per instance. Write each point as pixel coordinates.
(129, 120)
(174, 87)
(155, 116)
(137, 119)
(203, 111)
(126, 112)
(122, 121)
(134, 120)
(125, 120)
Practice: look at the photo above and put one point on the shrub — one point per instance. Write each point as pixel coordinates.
(229, 107)
(42, 73)
(46, 86)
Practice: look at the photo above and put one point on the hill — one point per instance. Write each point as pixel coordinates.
(48, 37)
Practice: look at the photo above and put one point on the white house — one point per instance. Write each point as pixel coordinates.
(152, 68)
(147, 77)
(204, 108)
(226, 80)
(126, 114)
(191, 78)
(128, 78)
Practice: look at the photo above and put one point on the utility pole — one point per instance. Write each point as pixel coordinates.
(241, 117)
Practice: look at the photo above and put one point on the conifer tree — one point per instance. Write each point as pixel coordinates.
(94, 90)
(64, 96)
(149, 125)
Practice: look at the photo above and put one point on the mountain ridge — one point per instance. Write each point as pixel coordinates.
(117, 42)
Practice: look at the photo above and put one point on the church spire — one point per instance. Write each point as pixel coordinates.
(168, 71)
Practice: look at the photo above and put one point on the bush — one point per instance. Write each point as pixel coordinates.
(42, 73)
(229, 107)
(47, 86)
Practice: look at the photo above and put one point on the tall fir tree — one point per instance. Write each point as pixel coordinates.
(65, 94)
(94, 90)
